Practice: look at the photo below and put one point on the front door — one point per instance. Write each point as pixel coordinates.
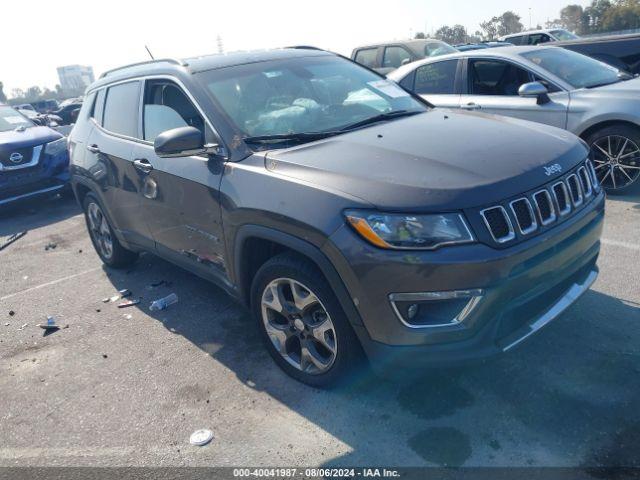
(492, 87)
(180, 196)
(110, 150)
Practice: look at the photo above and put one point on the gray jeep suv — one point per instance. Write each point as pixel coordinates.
(354, 220)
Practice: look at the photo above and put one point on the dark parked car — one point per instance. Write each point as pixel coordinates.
(33, 159)
(385, 57)
(343, 210)
(45, 106)
(619, 51)
(66, 112)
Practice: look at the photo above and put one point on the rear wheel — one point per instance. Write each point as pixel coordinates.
(302, 323)
(615, 151)
(104, 241)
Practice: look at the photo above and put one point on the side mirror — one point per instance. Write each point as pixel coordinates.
(406, 61)
(535, 90)
(182, 142)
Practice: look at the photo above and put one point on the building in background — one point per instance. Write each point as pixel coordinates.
(75, 78)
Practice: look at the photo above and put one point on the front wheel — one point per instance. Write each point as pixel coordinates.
(302, 323)
(615, 151)
(104, 241)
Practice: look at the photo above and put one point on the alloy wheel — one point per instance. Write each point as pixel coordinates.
(100, 231)
(299, 326)
(617, 161)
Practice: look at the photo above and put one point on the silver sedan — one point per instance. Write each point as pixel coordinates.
(548, 85)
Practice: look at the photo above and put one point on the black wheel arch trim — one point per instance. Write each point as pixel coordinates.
(90, 186)
(300, 246)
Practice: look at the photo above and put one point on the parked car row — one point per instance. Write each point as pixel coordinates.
(548, 85)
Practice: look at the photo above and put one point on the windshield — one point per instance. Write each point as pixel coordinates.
(10, 119)
(435, 49)
(574, 68)
(563, 35)
(303, 95)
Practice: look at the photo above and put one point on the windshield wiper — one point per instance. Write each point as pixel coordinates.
(380, 118)
(284, 137)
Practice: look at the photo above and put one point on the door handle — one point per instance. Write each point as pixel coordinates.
(93, 148)
(143, 165)
(472, 106)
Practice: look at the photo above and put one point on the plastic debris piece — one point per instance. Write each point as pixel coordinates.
(115, 298)
(163, 303)
(4, 243)
(11, 313)
(129, 303)
(51, 324)
(106, 300)
(124, 293)
(128, 316)
(201, 437)
(22, 327)
(7, 324)
(50, 246)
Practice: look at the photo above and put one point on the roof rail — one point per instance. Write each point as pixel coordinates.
(159, 60)
(306, 47)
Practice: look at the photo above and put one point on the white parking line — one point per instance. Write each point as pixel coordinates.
(616, 243)
(53, 282)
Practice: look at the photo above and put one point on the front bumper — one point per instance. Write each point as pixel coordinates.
(48, 176)
(524, 288)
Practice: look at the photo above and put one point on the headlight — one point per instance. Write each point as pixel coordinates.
(396, 231)
(56, 147)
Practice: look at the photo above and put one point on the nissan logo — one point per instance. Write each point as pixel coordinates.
(15, 157)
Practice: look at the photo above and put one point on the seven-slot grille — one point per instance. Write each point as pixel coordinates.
(543, 207)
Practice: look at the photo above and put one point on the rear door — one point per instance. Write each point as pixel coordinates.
(437, 83)
(110, 155)
(180, 196)
(492, 87)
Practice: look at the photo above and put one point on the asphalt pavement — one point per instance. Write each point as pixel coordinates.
(111, 390)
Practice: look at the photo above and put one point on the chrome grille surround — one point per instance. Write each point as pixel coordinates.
(576, 196)
(585, 182)
(549, 201)
(533, 226)
(504, 238)
(565, 196)
(594, 178)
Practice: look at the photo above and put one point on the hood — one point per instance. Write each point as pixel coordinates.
(28, 138)
(627, 90)
(437, 161)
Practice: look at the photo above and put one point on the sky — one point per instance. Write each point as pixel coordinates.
(106, 34)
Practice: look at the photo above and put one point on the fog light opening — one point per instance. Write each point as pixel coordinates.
(434, 309)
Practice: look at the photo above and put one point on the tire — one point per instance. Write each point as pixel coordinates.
(616, 164)
(303, 327)
(104, 241)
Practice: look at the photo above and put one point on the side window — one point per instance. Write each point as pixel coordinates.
(367, 57)
(495, 77)
(98, 107)
(516, 40)
(394, 56)
(121, 109)
(538, 38)
(436, 78)
(166, 107)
